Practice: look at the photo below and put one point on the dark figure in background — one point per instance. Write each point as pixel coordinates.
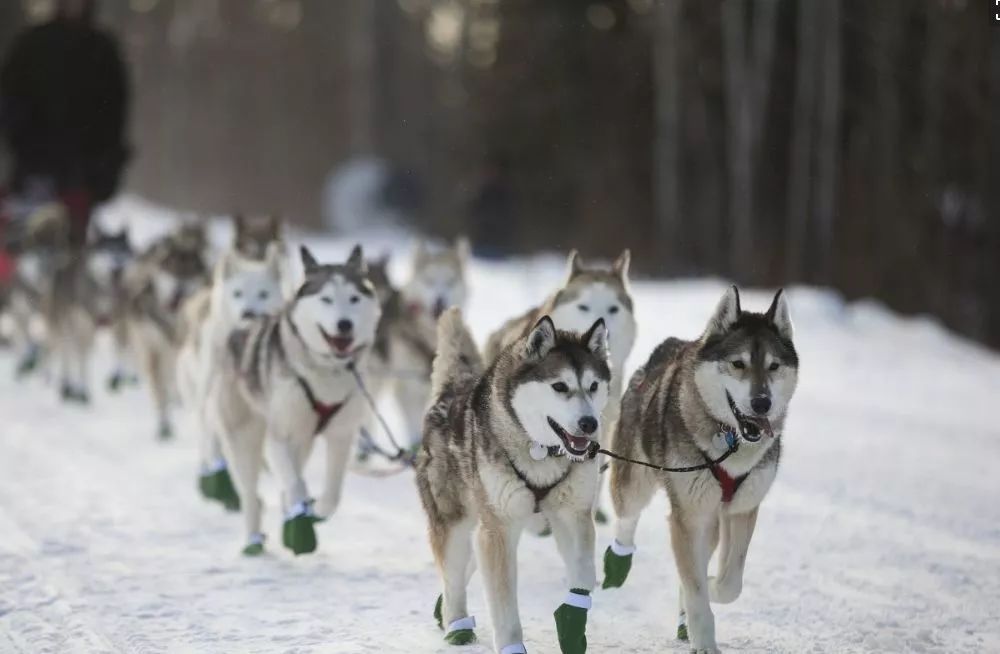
(63, 107)
(491, 211)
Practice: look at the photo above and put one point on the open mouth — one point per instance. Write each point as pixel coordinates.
(341, 345)
(752, 428)
(575, 445)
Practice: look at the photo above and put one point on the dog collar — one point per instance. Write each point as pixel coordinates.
(539, 452)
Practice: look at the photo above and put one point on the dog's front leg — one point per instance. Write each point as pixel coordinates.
(338, 448)
(498, 561)
(298, 533)
(574, 534)
(689, 536)
(737, 532)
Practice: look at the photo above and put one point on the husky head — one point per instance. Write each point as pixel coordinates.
(438, 280)
(254, 233)
(179, 267)
(244, 288)
(107, 257)
(336, 311)
(747, 365)
(592, 293)
(559, 385)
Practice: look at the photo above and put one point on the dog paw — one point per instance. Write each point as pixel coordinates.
(299, 535)
(616, 568)
(118, 380)
(219, 486)
(571, 622)
(705, 650)
(27, 364)
(164, 432)
(600, 517)
(682, 632)
(460, 637)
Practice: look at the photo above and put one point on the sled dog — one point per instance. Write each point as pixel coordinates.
(691, 403)
(501, 444)
(438, 282)
(87, 293)
(290, 379)
(167, 273)
(241, 289)
(252, 235)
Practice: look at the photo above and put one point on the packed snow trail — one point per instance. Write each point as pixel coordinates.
(881, 534)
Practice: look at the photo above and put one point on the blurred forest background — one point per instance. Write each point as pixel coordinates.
(848, 143)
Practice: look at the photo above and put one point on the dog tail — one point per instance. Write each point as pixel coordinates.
(458, 359)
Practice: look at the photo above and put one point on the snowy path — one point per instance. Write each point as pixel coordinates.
(882, 532)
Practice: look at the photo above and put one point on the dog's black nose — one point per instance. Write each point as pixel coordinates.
(761, 404)
(588, 424)
(249, 315)
(344, 326)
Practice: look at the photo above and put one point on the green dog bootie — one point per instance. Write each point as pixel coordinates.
(226, 491)
(460, 632)
(437, 612)
(682, 626)
(617, 563)
(571, 622)
(600, 517)
(254, 546)
(206, 485)
(298, 533)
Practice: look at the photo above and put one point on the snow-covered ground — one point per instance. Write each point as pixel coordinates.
(882, 533)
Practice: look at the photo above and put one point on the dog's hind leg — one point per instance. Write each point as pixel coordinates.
(497, 555)
(338, 449)
(690, 537)
(737, 531)
(452, 545)
(574, 534)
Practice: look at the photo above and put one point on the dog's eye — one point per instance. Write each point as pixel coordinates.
(237, 294)
(613, 309)
(583, 307)
(560, 387)
(738, 364)
(326, 300)
(263, 295)
(774, 366)
(355, 299)
(593, 387)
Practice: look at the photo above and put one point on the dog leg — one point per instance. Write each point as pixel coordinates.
(574, 534)
(497, 557)
(452, 547)
(338, 450)
(631, 491)
(298, 533)
(413, 396)
(246, 455)
(690, 538)
(737, 531)
(155, 367)
(713, 541)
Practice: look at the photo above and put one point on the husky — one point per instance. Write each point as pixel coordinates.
(501, 444)
(290, 379)
(241, 289)
(438, 282)
(252, 235)
(87, 294)
(588, 293)
(691, 403)
(167, 273)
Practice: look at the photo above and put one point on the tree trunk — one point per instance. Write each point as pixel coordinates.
(666, 180)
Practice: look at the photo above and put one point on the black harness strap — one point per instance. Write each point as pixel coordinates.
(540, 492)
(324, 412)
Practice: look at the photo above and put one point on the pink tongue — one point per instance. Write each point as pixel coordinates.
(579, 442)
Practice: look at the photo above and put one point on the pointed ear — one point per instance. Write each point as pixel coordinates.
(272, 257)
(779, 315)
(462, 249)
(596, 338)
(621, 264)
(726, 313)
(542, 338)
(574, 264)
(357, 260)
(309, 263)
(224, 268)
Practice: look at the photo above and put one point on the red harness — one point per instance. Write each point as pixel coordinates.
(324, 412)
(727, 482)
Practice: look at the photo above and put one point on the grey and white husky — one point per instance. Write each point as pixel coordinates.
(407, 331)
(241, 289)
(88, 293)
(690, 403)
(161, 279)
(290, 379)
(500, 445)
